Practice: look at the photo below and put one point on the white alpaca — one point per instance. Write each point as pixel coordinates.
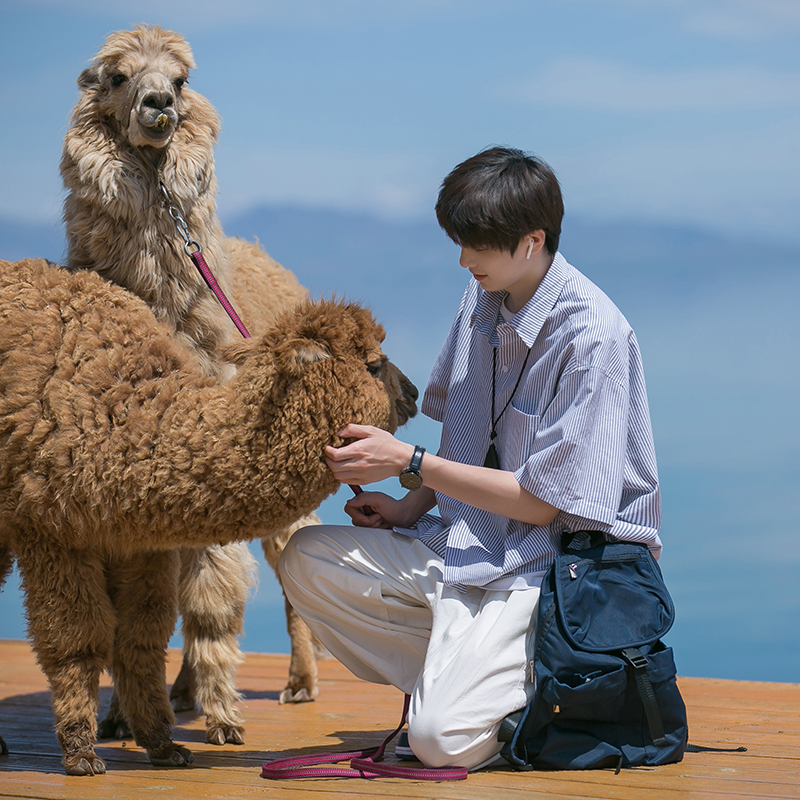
(137, 127)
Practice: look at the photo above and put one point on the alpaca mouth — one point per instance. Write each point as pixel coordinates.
(157, 124)
(406, 406)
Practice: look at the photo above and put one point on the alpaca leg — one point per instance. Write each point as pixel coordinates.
(71, 623)
(302, 685)
(143, 588)
(183, 694)
(214, 586)
(113, 724)
(6, 562)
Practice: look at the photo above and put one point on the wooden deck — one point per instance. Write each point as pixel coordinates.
(765, 717)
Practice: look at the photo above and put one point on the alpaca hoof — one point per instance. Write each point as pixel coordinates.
(113, 728)
(82, 765)
(3, 747)
(179, 757)
(288, 695)
(219, 734)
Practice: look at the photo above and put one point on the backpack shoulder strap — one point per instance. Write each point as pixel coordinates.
(638, 661)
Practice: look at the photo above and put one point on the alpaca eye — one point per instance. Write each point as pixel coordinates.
(179, 83)
(118, 79)
(374, 369)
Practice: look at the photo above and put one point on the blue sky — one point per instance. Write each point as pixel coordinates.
(666, 110)
(682, 115)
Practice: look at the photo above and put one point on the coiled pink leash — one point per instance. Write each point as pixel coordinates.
(363, 764)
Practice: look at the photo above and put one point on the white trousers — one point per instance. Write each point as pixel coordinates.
(376, 600)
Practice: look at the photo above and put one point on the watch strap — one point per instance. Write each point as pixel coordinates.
(416, 460)
(410, 477)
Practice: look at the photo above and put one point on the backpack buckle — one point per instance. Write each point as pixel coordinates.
(635, 658)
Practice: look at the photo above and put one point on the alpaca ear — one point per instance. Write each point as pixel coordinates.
(89, 78)
(297, 353)
(306, 352)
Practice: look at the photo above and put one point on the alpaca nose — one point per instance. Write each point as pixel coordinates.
(157, 100)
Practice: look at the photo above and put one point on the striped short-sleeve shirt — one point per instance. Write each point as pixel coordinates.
(576, 434)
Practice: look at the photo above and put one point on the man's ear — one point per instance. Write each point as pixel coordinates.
(534, 242)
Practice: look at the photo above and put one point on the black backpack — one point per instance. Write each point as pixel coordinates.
(605, 692)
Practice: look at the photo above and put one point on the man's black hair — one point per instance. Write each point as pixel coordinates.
(498, 196)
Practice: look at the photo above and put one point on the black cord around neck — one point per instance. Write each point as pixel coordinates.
(493, 434)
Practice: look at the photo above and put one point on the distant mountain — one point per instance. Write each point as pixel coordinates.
(634, 263)
(356, 254)
(364, 256)
(408, 271)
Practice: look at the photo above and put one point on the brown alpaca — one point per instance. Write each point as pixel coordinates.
(115, 450)
(136, 126)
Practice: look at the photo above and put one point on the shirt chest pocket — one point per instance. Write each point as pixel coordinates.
(515, 438)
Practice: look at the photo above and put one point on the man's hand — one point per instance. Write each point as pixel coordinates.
(374, 456)
(374, 510)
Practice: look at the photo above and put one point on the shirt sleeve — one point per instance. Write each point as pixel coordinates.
(578, 455)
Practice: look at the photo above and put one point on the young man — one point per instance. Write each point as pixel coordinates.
(545, 428)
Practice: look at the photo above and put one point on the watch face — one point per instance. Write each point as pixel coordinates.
(410, 480)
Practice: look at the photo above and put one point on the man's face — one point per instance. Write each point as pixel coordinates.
(499, 270)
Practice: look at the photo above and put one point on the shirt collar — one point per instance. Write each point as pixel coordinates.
(528, 321)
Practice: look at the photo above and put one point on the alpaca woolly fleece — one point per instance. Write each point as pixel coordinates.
(112, 438)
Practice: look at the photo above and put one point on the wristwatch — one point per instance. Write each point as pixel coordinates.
(410, 477)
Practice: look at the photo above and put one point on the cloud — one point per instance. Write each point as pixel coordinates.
(732, 19)
(389, 184)
(740, 181)
(608, 86)
(744, 19)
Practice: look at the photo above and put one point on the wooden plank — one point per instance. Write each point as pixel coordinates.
(350, 713)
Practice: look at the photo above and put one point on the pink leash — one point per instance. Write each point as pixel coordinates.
(197, 257)
(363, 764)
(200, 263)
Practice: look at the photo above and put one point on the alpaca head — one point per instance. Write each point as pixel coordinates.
(137, 83)
(322, 348)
